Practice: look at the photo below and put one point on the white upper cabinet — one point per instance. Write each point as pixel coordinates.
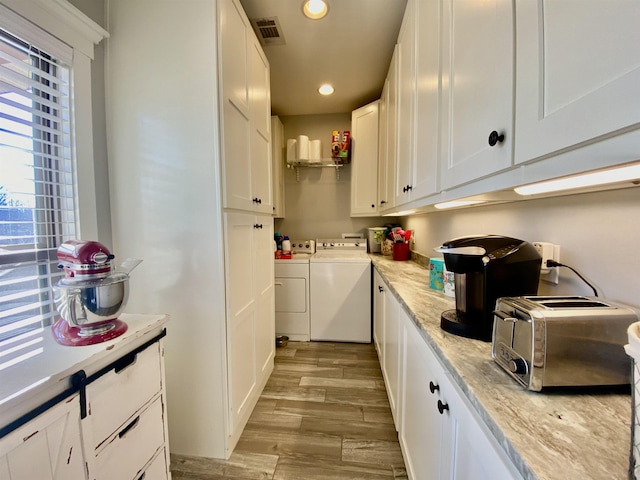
(427, 116)
(406, 96)
(477, 89)
(388, 136)
(277, 165)
(578, 74)
(246, 111)
(364, 161)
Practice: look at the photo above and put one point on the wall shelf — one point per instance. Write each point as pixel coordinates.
(323, 163)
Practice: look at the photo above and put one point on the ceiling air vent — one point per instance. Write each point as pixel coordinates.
(268, 31)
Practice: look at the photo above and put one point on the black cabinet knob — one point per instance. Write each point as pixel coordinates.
(373, 205)
(382, 202)
(495, 137)
(433, 387)
(442, 407)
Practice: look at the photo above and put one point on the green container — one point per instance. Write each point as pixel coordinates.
(436, 273)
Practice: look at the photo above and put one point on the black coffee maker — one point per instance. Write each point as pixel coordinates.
(485, 268)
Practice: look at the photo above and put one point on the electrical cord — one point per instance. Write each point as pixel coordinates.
(553, 263)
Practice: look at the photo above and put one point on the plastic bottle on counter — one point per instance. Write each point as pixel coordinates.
(278, 238)
(286, 245)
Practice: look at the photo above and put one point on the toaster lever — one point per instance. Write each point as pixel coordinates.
(505, 317)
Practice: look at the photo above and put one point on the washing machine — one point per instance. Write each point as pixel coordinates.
(340, 273)
(292, 302)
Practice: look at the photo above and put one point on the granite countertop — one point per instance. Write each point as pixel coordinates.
(547, 435)
(43, 369)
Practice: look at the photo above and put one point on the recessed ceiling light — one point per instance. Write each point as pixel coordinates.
(315, 9)
(325, 89)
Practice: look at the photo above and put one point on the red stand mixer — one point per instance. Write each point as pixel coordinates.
(90, 297)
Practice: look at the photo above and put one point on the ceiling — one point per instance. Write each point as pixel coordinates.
(350, 48)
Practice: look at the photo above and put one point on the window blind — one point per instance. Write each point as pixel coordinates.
(37, 207)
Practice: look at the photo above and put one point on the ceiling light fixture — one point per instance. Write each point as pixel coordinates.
(600, 177)
(457, 203)
(325, 89)
(315, 9)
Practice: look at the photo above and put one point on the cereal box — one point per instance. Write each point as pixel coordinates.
(340, 146)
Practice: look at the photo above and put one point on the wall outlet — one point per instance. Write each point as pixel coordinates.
(548, 251)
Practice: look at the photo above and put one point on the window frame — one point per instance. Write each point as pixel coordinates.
(77, 34)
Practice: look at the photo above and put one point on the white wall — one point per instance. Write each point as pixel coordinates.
(599, 235)
(318, 206)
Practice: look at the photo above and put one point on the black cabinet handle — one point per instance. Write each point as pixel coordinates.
(257, 200)
(407, 188)
(130, 427)
(433, 387)
(382, 202)
(257, 225)
(495, 137)
(380, 289)
(442, 407)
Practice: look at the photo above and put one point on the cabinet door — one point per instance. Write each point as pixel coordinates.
(277, 165)
(260, 108)
(387, 187)
(236, 124)
(241, 313)
(422, 423)
(405, 106)
(427, 117)
(474, 453)
(49, 447)
(477, 89)
(379, 299)
(265, 295)
(392, 354)
(579, 83)
(364, 163)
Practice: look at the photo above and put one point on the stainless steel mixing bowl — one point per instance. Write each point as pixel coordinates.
(88, 302)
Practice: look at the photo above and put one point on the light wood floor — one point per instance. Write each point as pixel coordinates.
(324, 414)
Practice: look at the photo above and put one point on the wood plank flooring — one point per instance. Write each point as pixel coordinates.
(324, 414)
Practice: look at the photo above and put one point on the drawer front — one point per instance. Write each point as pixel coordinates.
(157, 469)
(132, 447)
(119, 394)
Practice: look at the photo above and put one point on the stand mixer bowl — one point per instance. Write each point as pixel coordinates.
(89, 309)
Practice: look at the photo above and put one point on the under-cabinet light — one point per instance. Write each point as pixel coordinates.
(400, 214)
(315, 9)
(457, 203)
(600, 177)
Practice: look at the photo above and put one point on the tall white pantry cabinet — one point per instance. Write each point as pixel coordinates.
(189, 138)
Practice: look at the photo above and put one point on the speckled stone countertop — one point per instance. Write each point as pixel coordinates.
(548, 436)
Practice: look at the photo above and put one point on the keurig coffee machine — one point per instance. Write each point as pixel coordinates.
(485, 268)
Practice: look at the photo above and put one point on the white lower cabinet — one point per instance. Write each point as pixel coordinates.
(251, 312)
(125, 431)
(116, 429)
(379, 298)
(49, 447)
(440, 434)
(422, 424)
(393, 351)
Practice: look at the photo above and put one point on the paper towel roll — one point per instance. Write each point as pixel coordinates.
(291, 150)
(302, 148)
(315, 151)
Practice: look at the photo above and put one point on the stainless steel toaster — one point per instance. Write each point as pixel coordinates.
(562, 341)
